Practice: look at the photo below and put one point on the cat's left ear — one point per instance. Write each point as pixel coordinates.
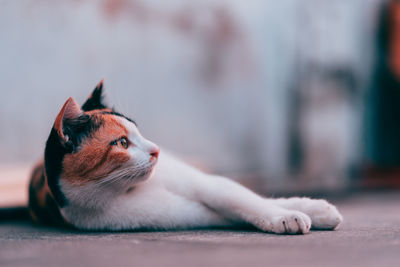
(95, 100)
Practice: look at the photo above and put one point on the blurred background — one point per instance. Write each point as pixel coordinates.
(284, 96)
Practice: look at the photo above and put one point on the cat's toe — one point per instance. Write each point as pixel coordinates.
(294, 222)
(325, 216)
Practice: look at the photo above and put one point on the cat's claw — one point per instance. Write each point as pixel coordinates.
(290, 222)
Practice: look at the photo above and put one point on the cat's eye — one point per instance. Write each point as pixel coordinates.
(124, 142)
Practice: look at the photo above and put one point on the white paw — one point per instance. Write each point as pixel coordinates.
(287, 222)
(323, 214)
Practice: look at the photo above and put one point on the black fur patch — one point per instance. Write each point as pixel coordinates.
(119, 115)
(76, 130)
(96, 99)
(79, 128)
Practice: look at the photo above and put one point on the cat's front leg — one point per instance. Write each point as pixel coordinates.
(323, 214)
(239, 204)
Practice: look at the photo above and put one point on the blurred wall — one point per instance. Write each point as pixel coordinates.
(233, 86)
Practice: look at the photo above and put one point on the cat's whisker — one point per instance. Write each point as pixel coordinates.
(127, 174)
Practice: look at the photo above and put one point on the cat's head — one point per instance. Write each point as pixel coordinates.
(97, 149)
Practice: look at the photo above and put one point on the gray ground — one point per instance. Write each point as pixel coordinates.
(370, 236)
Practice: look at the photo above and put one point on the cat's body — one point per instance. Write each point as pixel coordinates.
(101, 174)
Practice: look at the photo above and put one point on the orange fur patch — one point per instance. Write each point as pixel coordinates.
(97, 158)
(41, 201)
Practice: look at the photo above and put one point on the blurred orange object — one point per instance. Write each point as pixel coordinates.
(394, 52)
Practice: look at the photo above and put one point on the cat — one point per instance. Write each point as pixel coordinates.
(100, 173)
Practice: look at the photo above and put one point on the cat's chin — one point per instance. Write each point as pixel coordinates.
(144, 175)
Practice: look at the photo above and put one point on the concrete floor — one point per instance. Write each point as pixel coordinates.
(370, 236)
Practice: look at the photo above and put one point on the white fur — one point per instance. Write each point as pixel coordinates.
(174, 195)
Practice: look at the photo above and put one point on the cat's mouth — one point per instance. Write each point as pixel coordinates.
(143, 171)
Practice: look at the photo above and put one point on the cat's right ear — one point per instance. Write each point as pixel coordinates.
(95, 100)
(69, 111)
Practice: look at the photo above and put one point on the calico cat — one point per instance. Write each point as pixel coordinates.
(100, 173)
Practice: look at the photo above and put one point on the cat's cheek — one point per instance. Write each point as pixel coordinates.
(119, 157)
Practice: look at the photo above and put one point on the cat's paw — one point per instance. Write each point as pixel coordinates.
(287, 222)
(323, 214)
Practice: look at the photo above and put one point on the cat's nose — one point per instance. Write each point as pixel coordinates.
(154, 152)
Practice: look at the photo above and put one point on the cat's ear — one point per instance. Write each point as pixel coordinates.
(95, 100)
(69, 111)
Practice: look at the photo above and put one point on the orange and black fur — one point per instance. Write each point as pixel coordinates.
(45, 196)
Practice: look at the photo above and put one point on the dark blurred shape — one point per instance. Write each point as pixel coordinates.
(383, 105)
(322, 107)
(14, 213)
(383, 120)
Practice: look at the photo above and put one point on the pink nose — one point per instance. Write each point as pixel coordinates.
(154, 152)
